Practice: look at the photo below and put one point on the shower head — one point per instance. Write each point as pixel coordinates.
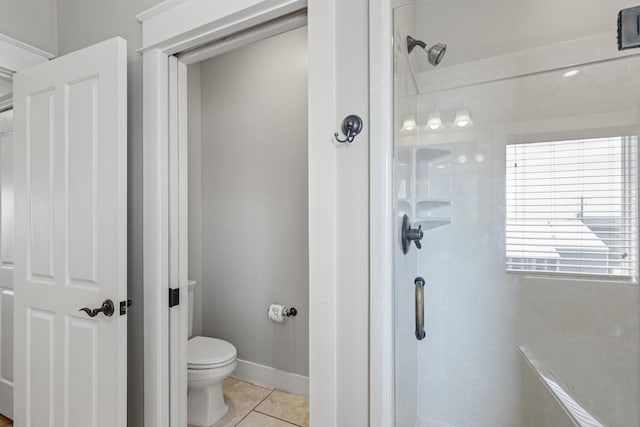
(434, 54)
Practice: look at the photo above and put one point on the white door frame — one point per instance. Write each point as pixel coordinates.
(381, 297)
(16, 55)
(173, 27)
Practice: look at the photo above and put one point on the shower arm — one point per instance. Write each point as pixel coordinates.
(412, 43)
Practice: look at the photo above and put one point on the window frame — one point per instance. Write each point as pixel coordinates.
(594, 134)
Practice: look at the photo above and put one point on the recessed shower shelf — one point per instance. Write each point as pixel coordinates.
(424, 185)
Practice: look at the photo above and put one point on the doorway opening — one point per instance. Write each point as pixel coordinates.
(245, 231)
(338, 298)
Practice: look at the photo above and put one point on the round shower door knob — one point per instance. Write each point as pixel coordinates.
(408, 235)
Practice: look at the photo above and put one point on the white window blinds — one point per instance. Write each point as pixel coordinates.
(571, 207)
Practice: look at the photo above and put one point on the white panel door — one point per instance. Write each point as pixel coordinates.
(6, 263)
(70, 154)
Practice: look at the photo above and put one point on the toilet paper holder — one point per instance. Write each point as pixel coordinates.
(280, 313)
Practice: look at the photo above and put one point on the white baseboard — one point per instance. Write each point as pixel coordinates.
(428, 422)
(272, 377)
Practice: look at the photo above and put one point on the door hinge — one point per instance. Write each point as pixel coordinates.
(174, 297)
(124, 305)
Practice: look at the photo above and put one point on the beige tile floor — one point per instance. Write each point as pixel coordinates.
(251, 405)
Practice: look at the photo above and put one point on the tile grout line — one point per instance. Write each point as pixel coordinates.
(277, 418)
(259, 403)
(252, 409)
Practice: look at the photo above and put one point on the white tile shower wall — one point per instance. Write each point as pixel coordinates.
(254, 200)
(542, 408)
(468, 363)
(406, 345)
(586, 333)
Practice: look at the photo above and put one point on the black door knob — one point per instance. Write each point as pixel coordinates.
(107, 308)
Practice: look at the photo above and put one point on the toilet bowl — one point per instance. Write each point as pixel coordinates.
(210, 361)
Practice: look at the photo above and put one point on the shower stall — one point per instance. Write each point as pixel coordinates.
(515, 170)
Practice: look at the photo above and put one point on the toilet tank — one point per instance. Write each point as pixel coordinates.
(191, 284)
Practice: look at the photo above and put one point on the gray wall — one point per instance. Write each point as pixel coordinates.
(254, 199)
(30, 21)
(82, 23)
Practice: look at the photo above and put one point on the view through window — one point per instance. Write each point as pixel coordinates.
(571, 207)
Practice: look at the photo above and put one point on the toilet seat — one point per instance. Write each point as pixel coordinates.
(209, 353)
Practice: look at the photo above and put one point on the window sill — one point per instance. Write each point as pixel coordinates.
(574, 278)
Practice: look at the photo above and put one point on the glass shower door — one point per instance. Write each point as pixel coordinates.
(517, 157)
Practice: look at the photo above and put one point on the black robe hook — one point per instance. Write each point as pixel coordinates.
(351, 127)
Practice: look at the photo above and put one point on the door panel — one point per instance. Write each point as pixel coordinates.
(71, 234)
(40, 365)
(83, 102)
(82, 348)
(41, 112)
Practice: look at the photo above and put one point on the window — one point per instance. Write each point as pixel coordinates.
(571, 207)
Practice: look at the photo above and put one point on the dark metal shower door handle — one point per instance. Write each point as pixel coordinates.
(420, 333)
(107, 309)
(408, 235)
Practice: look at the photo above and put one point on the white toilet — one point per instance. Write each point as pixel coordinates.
(210, 361)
